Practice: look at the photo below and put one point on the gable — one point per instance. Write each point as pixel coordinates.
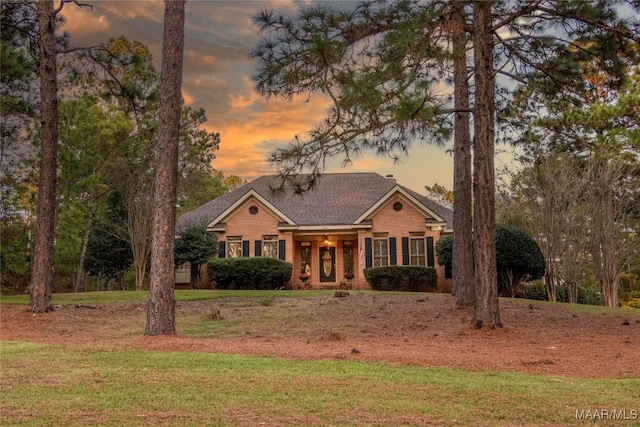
(252, 219)
(397, 213)
(408, 205)
(240, 209)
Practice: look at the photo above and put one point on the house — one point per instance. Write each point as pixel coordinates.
(347, 222)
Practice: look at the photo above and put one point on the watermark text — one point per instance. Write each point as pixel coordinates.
(602, 414)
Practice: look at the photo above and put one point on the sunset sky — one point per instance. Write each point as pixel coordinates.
(217, 73)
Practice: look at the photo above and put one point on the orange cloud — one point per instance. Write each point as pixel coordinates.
(77, 19)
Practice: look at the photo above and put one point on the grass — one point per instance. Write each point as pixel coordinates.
(181, 295)
(44, 385)
(48, 385)
(580, 308)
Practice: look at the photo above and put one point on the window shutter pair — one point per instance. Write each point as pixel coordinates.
(368, 252)
(430, 252)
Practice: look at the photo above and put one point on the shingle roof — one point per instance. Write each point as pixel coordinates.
(337, 199)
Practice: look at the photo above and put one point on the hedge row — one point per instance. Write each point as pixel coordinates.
(259, 273)
(402, 278)
(537, 291)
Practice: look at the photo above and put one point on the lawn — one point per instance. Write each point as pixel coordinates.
(87, 363)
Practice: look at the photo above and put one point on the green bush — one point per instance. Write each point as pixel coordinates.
(259, 273)
(518, 259)
(589, 296)
(402, 278)
(629, 287)
(536, 291)
(444, 250)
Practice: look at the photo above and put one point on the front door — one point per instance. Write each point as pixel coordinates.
(327, 264)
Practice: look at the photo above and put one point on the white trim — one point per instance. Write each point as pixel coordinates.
(341, 232)
(440, 226)
(397, 189)
(249, 194)
(322, 228)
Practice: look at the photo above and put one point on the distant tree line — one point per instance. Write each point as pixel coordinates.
(107, 127)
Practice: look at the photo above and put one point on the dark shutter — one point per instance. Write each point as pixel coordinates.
(368, 252)
(448, 273)
(430, 257)
(405, 251)
(258, 251)
(282, 249)
(393, 257)
(222, 249)
(245, 248)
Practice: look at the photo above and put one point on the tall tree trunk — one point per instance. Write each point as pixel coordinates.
(42, 271)
(550, 281)
(463, 285)
(161, 304)
(605, 216)
(487, 310)
(83, 253)
(141, 273)
(608, 270)
(572, 292)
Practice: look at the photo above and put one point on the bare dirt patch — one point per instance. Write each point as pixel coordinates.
(425, 330)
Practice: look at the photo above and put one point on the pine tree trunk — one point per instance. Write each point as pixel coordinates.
(463, 285)
(42, 271)
(487, 311)
(161, 304)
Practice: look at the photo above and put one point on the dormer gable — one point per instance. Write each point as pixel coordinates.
(401, 199)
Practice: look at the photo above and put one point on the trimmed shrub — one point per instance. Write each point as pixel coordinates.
(518, 258)
(402, 278)
(444, 251)
(260, 273)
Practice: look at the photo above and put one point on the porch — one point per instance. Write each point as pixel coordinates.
(327, 261)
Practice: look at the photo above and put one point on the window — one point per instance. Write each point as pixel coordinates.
(380, 252)
(270, 246)
(234, 247)
(183, 273)
(417, 251)
(305, 259)
(348, 251)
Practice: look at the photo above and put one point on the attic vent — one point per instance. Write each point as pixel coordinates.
(397, 206)
(253, 209)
